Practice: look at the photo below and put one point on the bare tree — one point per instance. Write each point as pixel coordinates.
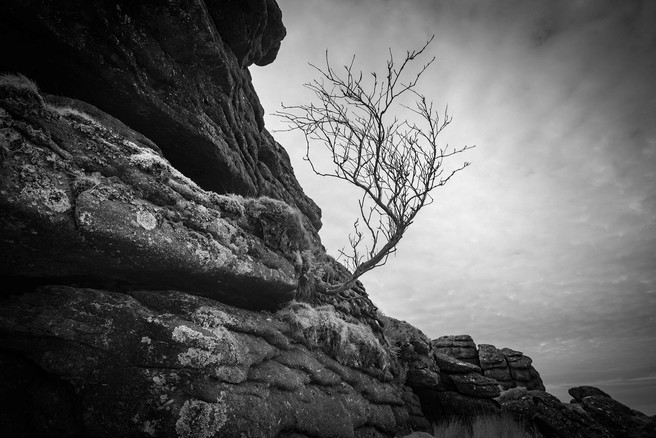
(395, 162)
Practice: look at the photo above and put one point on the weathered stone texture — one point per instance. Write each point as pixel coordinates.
(89, 201)
(173, 70)
(171, 364)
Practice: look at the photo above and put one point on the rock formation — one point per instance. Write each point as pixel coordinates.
(88, 362)
(173, 71)
(162, 266)
(587, 416)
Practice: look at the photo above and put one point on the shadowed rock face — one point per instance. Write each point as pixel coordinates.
(173, 70)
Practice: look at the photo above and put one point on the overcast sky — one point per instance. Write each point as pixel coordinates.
(547, 242)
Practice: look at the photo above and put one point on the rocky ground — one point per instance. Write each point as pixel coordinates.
(162, 266)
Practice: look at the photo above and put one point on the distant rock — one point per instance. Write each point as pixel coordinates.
(461, 347)
(475, 385)
(509, 368)
(596, 414)
(479, 381)
(551, 417)
(617, 418)
(580, 392)
(451, 365)
(495, 365)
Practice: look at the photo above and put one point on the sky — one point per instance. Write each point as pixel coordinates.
(547, 243)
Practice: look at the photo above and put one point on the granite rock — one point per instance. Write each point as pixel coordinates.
(175, 71)
(188, 366)
(86, 200)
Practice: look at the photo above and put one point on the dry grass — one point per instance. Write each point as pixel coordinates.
(21, 84)
(18, 82)
(67, 111)
(279, 224)
(350, 344)
(482, 427)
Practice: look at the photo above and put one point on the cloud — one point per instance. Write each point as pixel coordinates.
(546, 243)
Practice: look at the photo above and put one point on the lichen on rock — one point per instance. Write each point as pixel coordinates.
(104, 203)
(350, 343)
(200, 419)
(217, 348)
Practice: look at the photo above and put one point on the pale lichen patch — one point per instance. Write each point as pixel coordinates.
(147, 159)
(197, 358)
(209, 317)
(84, 218)
(53, 199)
(185, 334)
(146, 220)
(244, 268)
(68, 112)
(219, 347)
(199, 419)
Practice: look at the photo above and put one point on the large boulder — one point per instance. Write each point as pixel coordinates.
(173, 70)
(86, 200)
(475, 385)
(580, 392)
(509, 368)
(451, 365)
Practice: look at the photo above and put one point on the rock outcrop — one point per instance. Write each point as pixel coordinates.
(507, 367)
(87, 200)
(126, 274)
(486, 380)
(589, 415)
(88, 362)
(175, 71)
